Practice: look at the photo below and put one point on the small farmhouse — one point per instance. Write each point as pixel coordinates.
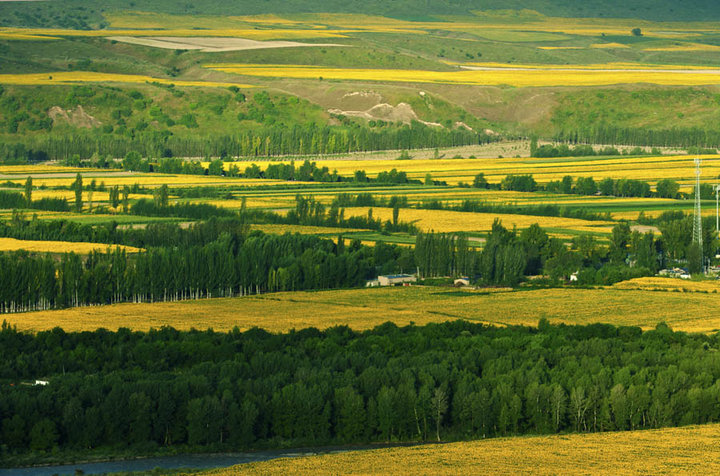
(396, 279)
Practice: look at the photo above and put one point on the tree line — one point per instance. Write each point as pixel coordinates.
(267, 141)
(582, 150)
(239, 390)
(603, 133)
(232, 265)
(15, 200)
(509, 256)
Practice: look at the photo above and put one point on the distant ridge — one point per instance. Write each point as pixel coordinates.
(85, 14)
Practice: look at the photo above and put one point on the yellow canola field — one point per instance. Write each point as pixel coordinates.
(19, 35)
(605, 46)
(280, 312)
(508, 20)
(11, 244)
(669, 284)
(629, 66)
(443, 221)
(43, 169)
(249, 33)
(506, 28)
(688, 450)
(510, 77)
(648, 168)
(70, 77)
(152, 20)
(151, 180)
(560, 48)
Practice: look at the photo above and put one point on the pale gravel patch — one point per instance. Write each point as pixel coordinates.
(213, 44)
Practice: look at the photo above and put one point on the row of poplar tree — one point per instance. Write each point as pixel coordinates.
(232, 265)
(263, 142)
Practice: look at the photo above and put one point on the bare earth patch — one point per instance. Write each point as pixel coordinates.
(211, 45)
(403, 112)
(76, 117)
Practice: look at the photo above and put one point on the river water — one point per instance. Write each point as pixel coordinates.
(193, 461)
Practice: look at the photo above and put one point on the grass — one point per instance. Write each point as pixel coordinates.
(687, 450)
(367, 308)
(87, 218)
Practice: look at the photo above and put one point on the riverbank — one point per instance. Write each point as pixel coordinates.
(188, 461)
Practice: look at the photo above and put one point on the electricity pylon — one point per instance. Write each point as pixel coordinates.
(697, 222)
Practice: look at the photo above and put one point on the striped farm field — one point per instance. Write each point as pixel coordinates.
(65, 77)
(444, 221)
(250, 33)
(496, 77)
(11, 244)
(24, 170)
(491, 23)
(97, 196)
(620, 208)
(149, 180)
(686, 450)
(87, 218)
(366, 308)
(649, 168)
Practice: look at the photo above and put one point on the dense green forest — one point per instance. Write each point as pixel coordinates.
(239, 390)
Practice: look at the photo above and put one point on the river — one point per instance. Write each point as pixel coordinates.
(192, 461)
(188, 461)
